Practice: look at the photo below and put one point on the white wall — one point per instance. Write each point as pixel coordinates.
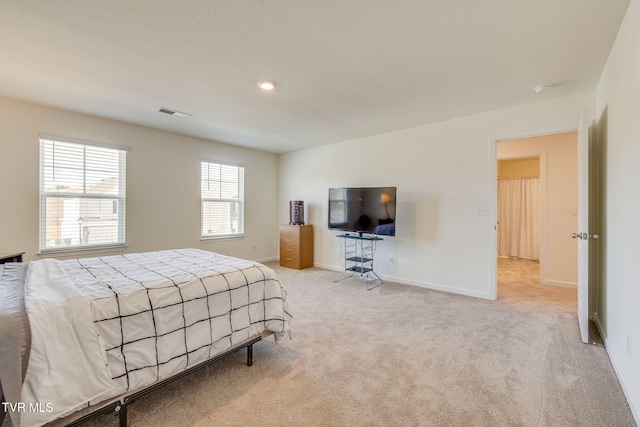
(561, 156)
(443, 174)
(618, 114)
(163, 183)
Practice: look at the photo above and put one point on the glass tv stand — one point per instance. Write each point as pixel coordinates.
(359, 251)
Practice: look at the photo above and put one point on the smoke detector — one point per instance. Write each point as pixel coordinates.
(542, 88)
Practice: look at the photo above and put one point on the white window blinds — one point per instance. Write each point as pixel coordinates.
(222, 192)
(82, 195)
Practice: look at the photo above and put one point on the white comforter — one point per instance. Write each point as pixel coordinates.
(105, 326)
(66, 366)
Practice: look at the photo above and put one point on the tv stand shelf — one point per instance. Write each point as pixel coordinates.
(359, 252)
(359, 267)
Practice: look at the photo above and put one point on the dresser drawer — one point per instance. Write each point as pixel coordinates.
(290, 260)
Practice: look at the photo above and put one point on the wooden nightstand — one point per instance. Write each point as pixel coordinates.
(296, 246)
(11, 257)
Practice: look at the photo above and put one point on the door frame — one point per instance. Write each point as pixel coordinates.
(493, 204)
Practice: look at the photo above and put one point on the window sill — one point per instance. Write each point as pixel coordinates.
(224, 237)
(81, 250)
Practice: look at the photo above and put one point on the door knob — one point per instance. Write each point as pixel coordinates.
(584, 236)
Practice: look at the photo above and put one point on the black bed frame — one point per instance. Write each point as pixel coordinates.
(119, 408)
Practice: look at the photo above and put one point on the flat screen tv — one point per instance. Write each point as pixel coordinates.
(370, 210)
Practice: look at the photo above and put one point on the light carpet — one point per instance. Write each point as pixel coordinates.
(403, 356)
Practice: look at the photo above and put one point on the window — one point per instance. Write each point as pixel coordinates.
(82, 195)
(222, 193)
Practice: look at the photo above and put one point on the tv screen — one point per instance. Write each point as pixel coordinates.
(370, 210)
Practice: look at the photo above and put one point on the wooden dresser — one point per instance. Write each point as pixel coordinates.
(296, 246)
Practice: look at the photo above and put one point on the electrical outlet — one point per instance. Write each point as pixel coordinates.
(628, 345)
(482, 210)
(254, 248)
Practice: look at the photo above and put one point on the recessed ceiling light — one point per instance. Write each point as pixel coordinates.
(174, 112)
(267, 84)
(542, 88)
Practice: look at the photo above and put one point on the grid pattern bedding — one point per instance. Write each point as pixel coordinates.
(104, 327)
(161, 312)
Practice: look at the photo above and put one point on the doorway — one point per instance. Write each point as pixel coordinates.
(551, 257)
(519, 222)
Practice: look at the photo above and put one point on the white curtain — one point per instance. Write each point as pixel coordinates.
(519, 218)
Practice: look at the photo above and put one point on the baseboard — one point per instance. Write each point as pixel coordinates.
(560, 284)
(596, 319)
(265, 260)
(438, 287)
(420, 284)
(635, 411)
(327, 267)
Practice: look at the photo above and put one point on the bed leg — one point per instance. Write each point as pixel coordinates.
(121, 411)
(250, 355)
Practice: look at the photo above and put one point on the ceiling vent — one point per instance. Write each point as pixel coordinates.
(174, 112)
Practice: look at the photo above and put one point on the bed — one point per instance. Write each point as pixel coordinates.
(86, 334)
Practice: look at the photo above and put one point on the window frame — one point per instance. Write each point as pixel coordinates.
(120, 197)
(240, 200)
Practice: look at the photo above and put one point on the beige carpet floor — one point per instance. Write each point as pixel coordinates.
(404, 356)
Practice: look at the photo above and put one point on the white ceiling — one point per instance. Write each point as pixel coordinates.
(344, 68)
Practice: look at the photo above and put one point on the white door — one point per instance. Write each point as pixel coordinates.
(583, 235)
